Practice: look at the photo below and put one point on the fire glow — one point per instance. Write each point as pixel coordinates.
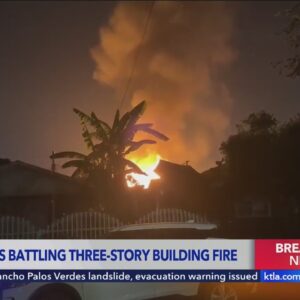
(148, 165)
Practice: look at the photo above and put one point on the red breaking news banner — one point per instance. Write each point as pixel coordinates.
(277, 254)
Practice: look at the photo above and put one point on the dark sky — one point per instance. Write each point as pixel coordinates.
(46, 70)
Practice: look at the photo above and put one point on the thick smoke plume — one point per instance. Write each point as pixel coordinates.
(179, 71)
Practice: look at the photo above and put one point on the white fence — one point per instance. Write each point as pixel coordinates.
(86, 225)
(16, 228)
(171, 215)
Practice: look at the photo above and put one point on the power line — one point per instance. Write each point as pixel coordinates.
(136, 57)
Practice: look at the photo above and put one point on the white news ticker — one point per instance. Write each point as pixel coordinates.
(244, 250)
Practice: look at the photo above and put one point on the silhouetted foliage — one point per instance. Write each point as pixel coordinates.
(105, 166)
(264, 156)
(290, 66)
(109, 145)
(258, 123)
(289, 155)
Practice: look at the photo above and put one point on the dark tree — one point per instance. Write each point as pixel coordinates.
(263, 156)
(290, 66)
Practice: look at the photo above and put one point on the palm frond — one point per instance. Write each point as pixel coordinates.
(88, 139)
(136, 113)
(104, 124)
(99, 152)
(85, 119)
(92, 120)
(93, 135)
(68, 154)
(130, 132)
(133, 167)
(103, 129)
(76, 163)
(131, 117)
(155, 133)
(116, 120)
(123, 122)
(141, 126)
(135, 145)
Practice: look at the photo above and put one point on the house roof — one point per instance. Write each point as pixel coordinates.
(18, 178)
(167, 166)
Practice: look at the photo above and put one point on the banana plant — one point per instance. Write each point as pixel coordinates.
(109, 145)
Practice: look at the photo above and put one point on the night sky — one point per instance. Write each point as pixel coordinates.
(46, 69)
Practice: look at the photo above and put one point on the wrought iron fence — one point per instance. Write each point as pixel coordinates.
(86, 225)
(171, 215)
(16, 228)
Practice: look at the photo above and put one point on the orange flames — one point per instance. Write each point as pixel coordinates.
(147, 164)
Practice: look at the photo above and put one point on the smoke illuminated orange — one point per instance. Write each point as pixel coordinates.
(179, 73)
(148, 165)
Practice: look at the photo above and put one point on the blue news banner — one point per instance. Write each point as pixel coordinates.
(27, 276)
(133, 261)
(129, 276)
